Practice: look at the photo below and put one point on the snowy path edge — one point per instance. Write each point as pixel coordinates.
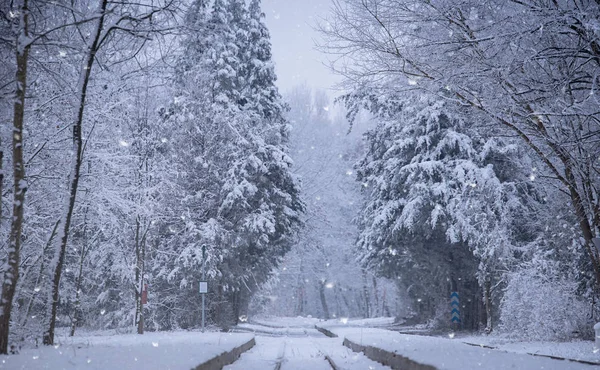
(393, 360)
(226, 358)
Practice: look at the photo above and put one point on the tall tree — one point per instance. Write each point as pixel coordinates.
(513, 62)
(249, 200)
(11, 271)
(98, 35)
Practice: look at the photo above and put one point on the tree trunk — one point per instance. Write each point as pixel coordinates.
(384, 304)
(11, 275)
(74, 183)
(367, 312)
(77, 310)
(487, 291)
(323, 300)
(139, 275)
(136, 286)
(376, 295)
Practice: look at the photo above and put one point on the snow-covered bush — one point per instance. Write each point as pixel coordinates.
(540, 304)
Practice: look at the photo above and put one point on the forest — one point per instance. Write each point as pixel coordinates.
(145, 145)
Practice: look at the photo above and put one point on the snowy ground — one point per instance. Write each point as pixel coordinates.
(450, 354)
(164, 350)
(296, 345)
(300, 348)
(577, 350)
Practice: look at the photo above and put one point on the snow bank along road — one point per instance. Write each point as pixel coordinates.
(151, 351)
(428, 353)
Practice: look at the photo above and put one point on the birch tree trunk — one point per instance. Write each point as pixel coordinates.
(11, 274)
(78, 150)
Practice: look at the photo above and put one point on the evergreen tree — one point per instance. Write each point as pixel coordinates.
(437, 210)
(240, 198)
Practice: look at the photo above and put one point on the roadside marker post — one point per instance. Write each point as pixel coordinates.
(455, 307)
(203, 284)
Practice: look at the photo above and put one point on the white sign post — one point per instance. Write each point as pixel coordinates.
(203, 287)
(203, 284)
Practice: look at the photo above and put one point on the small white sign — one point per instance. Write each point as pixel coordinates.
(203, 287)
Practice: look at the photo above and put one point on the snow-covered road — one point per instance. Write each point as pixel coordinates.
(293, 343)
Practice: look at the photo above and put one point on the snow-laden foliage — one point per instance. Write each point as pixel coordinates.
(439, 199)
(541, 302)
(173, 160)
(518, 76)
(234, 175)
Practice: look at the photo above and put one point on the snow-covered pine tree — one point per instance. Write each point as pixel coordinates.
(437, 212)
(241, 199)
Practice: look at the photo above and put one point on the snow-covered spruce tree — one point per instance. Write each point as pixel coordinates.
(240, 198)
(522, 65)
(438, 215)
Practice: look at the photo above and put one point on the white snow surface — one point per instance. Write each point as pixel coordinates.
(152, 350)
(297, 345)
(450, 354)
(302, 353)
(577, 350)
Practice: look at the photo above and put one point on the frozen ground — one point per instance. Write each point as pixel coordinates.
(577, 350)
(298, 346)
(164, 350)
(450, 354)
(295, 344)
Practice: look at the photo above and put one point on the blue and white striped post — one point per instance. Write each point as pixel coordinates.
(455, 308)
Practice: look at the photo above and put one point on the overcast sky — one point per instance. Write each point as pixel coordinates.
(290, 23)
